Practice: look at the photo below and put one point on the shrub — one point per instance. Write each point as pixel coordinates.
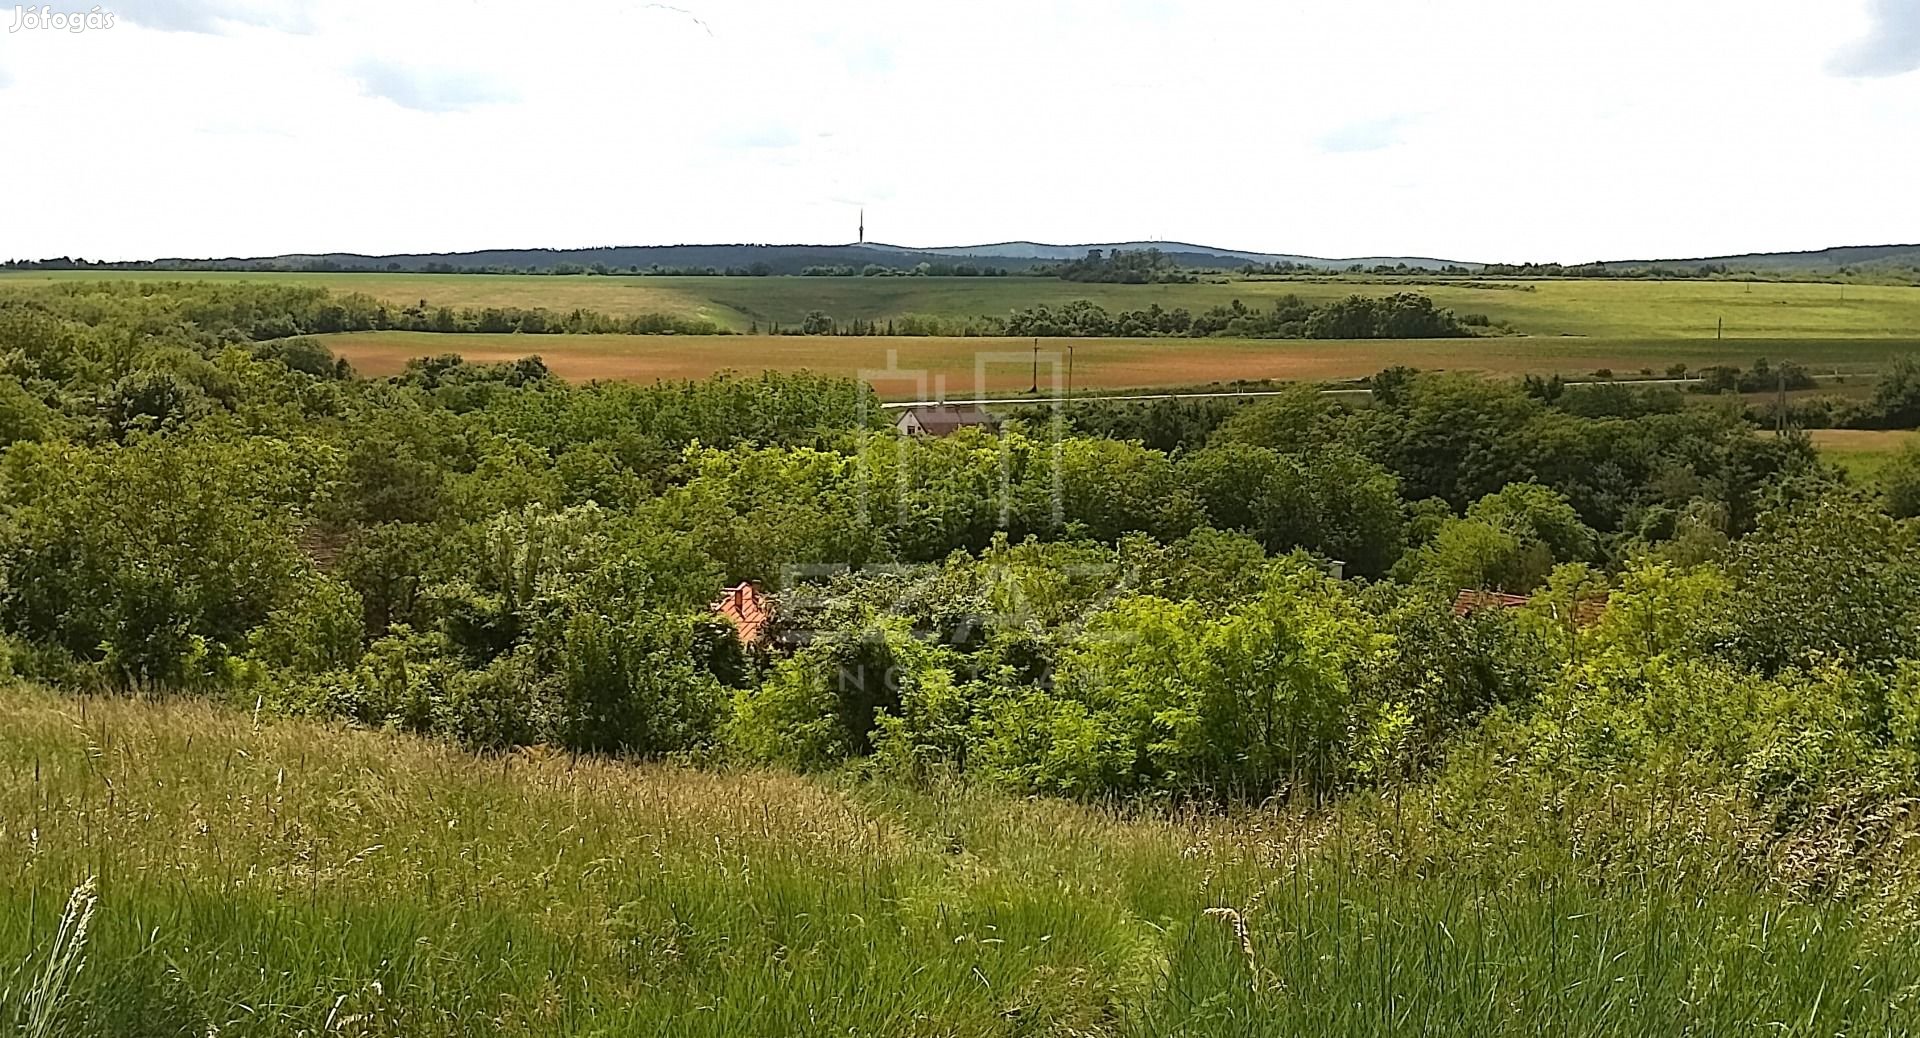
(154, 401)
(822, 704)
(1900, 482)
(1508, 541)
(1784, 743)
(1831, 579)
(318, 629)
(155, 558)
(1165, 697)
(401, 681)
(633, 687)
(22, 415)
(496, 708)
(1896, 396)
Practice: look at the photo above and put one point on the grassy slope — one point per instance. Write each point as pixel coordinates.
(280, 878)
(1572, 327)
(1602, 309)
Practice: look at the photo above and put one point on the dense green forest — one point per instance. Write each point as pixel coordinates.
(1110, 599)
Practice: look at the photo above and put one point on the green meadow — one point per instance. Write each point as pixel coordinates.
(256, 876)
(1558, 327)
(1598, 309)
(1568, 327)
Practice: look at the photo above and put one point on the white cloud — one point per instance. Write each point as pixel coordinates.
(1366, 135)
(428, 90)
(1509, 129)
(1890, 47)
(212, 16)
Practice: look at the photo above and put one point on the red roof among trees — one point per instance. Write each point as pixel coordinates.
(750, 609)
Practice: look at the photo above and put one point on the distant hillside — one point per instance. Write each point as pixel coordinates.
(766, 259)
(1896, 262)
(1823, 260)
(1014, 257)
(1185, 254)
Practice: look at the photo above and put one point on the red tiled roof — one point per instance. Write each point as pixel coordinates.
(750, 610)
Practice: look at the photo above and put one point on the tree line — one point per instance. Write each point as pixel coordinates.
(1894, 402)
(1121, 267)
(1403, 315)
(261, 312)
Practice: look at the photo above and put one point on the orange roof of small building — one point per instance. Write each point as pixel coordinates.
(750, 609)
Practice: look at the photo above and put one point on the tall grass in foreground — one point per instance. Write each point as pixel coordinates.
(296, 879)
(33, 1000)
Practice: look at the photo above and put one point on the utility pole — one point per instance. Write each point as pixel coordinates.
(1720, 328)
(1780, 407)
(1036, 367)
(1069, 372)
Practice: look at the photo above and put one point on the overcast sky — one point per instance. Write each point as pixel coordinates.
(1473, 129)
